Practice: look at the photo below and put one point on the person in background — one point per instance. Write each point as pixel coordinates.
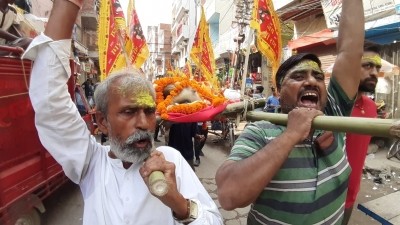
(357, 144)
(88, 87)
(25, 5)
(9, 19)
(295, 174)
(181, 138)
(156, 132)
(272, 104)
(258, 93)
(199, 141)
(114, 179)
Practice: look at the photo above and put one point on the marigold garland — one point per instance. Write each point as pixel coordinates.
(164, 105)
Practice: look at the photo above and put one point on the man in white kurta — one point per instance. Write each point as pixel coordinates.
(113, 194)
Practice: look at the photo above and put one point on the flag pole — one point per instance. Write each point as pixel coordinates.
(246, 61)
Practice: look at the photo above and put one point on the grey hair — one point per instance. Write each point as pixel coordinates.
(132, 80)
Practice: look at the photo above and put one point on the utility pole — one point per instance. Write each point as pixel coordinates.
(243, 16)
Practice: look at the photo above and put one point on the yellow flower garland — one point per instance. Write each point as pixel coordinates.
(164, 105)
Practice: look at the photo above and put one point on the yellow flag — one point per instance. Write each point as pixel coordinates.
(268, 36)
(202, 52)
(112, 38)
(139, 51)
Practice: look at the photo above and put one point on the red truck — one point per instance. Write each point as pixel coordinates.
(28, 173)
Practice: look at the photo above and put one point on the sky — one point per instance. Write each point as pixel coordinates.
(151, 12)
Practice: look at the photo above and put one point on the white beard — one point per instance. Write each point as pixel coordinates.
(125, 151)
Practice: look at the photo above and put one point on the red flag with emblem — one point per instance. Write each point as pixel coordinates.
(139, 52)
(266, 22)
(202, 52)
(112, 38)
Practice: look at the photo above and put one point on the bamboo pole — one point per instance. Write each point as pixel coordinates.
(369, 126)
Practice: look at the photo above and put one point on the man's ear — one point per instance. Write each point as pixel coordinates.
(102, 122)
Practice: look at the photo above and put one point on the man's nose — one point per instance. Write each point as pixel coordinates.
(374, 71)
(311, 79)
(142, 121)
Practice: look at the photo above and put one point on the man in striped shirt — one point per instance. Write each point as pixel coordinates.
(295, 174)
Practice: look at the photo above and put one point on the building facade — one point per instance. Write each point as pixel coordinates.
(159, 43)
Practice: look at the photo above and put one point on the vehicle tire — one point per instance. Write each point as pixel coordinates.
(231, 138)
(393, 150)
(30, 218)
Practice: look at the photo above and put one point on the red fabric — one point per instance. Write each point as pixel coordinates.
(206, 114)
(356, 148)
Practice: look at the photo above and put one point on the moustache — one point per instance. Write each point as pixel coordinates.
(372, 78)
(139, 136)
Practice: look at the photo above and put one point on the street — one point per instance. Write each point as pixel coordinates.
(65, 207)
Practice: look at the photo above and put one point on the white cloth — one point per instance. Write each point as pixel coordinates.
(112, 194)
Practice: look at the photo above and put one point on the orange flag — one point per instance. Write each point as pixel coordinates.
(139, 52)
(112, 39)
(266, 22)
(202, 52)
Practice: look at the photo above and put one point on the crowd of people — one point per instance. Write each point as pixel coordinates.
(291, 174)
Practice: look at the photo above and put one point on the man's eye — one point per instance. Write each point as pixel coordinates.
(319, 76)
(129, 111)
(367, 65)
(150, 110)
(297, 76)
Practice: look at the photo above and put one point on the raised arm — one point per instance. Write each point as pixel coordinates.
(62, 19)
(350, 42)
(61, 129)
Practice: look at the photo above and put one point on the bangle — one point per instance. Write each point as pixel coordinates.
(78, 3)
(192, 212)
(188, 211)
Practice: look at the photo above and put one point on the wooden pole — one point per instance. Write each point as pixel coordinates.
(369, 126)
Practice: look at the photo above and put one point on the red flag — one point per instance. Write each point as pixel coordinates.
(202, 52)
(266, 23)
(112, 39)
(140, 51)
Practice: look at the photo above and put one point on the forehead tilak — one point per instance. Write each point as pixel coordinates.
(303, 65)
(375, 59)
(137, 94)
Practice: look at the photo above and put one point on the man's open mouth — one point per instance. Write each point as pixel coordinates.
(309, 99)
(141, 143)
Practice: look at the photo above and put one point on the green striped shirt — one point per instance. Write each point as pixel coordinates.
(311, 186)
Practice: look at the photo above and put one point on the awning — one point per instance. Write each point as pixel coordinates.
(386, 34)
(325, 37)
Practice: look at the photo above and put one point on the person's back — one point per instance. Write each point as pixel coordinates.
(272, 104)
(181, 138)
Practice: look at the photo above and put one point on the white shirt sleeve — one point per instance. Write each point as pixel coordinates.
(61, 129)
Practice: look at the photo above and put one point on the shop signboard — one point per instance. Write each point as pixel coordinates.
(333, 9)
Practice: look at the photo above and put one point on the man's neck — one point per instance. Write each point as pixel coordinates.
(126, 165)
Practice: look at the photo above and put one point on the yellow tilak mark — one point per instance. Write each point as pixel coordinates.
(144, 99)
(307, 65)
(372, 59)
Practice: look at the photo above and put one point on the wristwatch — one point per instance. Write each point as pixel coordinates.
(192, 212)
